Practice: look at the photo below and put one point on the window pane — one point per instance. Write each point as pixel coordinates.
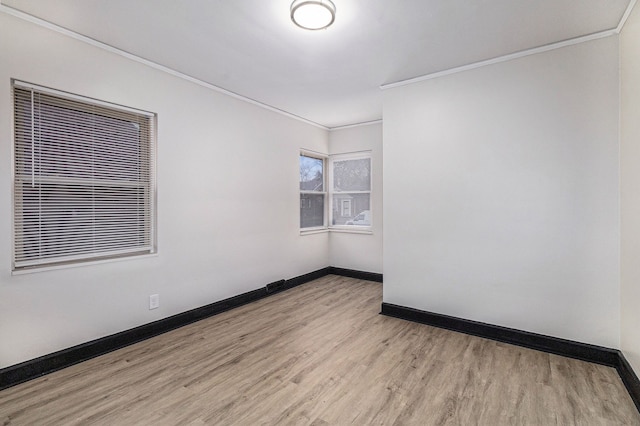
(311, 174)
(351, 209)
(311, 210)
(352, 175)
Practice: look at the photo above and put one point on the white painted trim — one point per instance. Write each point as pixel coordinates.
(80, 98)
(314, 154)
(81, 264)
(349, 126)
(625, 16)
(499, 59)
(77, 36)
(366, 231)
(314, 231)
(41, 22)
(354, 155)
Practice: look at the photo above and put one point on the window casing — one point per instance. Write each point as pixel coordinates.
(350, 191)
(337, 187)
(83, 179)
(312, 192)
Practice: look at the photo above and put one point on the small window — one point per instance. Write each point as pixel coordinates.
(312, 192)
(350, 190)
(84, 179)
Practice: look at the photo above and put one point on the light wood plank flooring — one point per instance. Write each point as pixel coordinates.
(320, 354)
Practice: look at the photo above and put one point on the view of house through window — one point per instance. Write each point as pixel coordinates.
(349, 191)
(312, 192)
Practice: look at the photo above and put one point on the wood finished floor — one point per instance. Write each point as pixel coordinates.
(320, 354)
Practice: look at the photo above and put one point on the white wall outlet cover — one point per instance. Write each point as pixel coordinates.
(154, 301)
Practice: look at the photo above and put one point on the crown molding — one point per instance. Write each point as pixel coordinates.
(349, 126)
(520, 54)
(625, 16)
(77, 36)
(499, 59)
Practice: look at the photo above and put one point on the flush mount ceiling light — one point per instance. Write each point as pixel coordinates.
(313, 14)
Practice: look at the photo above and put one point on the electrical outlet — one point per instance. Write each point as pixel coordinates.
(154, 301)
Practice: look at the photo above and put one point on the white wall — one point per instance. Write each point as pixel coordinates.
(501, 194)
(227, 200)
(362, 252)
(630, 188)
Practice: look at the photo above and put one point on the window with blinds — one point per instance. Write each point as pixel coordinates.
(84, 179)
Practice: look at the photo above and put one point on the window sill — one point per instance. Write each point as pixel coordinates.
(365, 231)
(313, 231)
(46, 268)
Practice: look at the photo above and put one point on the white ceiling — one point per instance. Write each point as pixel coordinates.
(331, 77)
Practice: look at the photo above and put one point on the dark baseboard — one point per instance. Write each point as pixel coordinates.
(541, 342)
(302, 279)
(569, 348)
(630, 380)
(46, 364)
(368, 276)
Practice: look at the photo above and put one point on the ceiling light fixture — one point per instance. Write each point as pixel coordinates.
(313, 14)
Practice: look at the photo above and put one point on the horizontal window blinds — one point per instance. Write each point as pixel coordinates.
(83, 180)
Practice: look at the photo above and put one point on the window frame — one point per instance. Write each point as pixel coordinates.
(324, 193)
(359, 229)
(150, 211)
